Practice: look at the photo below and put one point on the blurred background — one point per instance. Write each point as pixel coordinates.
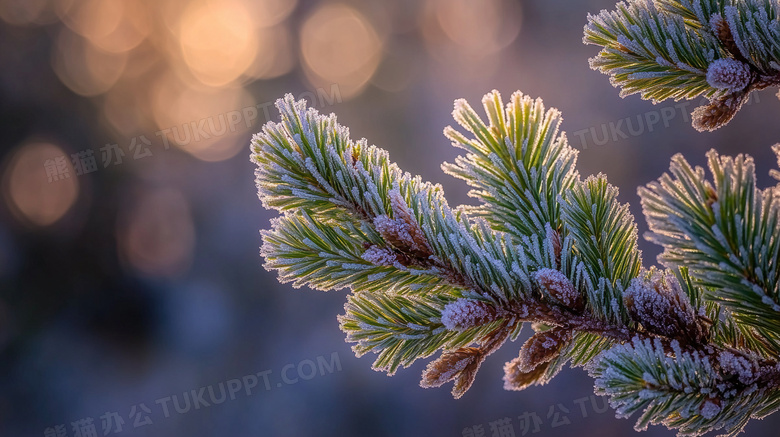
(130, 280)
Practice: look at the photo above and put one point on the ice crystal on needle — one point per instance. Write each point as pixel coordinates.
(380, 256)
(466, 313)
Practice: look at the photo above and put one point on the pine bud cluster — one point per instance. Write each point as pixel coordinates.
(535, 358)
(559, 288)
(460, 366)
(660, 305)
(729, 74)
(402, 230)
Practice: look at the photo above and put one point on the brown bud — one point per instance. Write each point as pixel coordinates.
(729, 74)
(555, 239)
(722, 30)
(542, 348)
(460, 366)
(403, 231)
(385, 256)
(719, 111)
(516, 380)
(560, 289)
(743, 368)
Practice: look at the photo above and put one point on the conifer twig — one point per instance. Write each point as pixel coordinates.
(694, 346)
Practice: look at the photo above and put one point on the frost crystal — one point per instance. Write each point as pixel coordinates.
(729, 74)
(718, 112)
(739, 366)
(466, 313)
(379, 256)
(445, 369)
(403, 231)
(709, 410)
(461, 366)
(516, 379)
(396, 230)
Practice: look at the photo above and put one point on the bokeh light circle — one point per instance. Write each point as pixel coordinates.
(340, 46)
(218, 40)
(34, 195)
(156, 235)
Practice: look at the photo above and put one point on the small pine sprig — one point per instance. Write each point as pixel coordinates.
(725, 232)
(682, 49)
(695, 391)
(516, 164)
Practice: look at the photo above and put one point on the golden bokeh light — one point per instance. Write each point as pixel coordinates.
(142, 60)
(39, 184)
(84, 68)
(340, 46)
(275, 53)
(267, 13)
(113, 25)
(395, 73)
(92, 19)
(218, 40)
(467, 37)
(156, 235)
(204, 52)
(208, 123)
(485, 26)
(26, 12)
(115, 112)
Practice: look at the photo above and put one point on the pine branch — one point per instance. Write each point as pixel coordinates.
(725, 232)
(648, 52)
(352, 219)
(721, 49)
(402, 329)
(545, 248)
(695, 392)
